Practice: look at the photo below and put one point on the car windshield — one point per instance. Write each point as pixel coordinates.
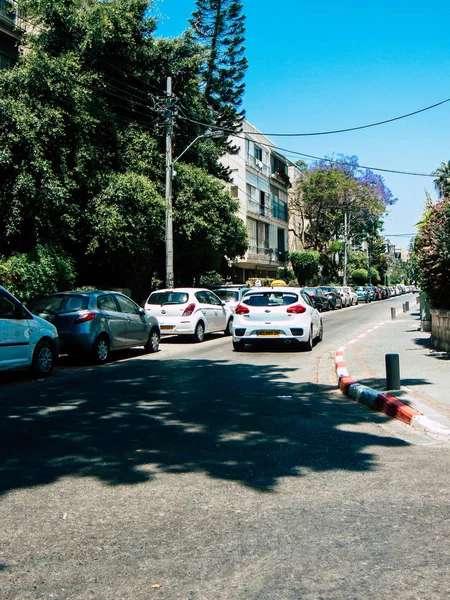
(270, 299)
(327, 289)
(161, 298)
(63, 303)
(227, 295)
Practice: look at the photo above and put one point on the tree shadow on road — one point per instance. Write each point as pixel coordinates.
(127, 422)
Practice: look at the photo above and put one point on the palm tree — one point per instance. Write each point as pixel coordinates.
(442, 181)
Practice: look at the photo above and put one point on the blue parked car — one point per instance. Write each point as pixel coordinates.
(363, 294)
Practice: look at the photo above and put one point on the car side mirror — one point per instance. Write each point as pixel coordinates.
(142, 312)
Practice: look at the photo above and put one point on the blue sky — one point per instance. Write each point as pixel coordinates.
(325, 66)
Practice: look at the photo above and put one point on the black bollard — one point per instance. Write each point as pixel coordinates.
(392, 372)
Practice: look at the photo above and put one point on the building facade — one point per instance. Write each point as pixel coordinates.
(11, 28)
(260, 182)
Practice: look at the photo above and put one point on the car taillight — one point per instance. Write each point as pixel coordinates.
(297, 309)
(188, 310)
(85, 318)
(241, 310)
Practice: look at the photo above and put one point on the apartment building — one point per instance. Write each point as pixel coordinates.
(260, 182)
(11, 28)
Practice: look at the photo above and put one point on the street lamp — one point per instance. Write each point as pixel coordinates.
(169, 209)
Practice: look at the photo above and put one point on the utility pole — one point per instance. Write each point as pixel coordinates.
(345, 248)
(169, 119)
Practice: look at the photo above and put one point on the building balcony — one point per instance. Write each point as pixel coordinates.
(281, 177)
(255, 208)
(257, 164)
(263, 255)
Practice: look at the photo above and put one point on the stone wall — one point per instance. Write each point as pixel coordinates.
(440, 329)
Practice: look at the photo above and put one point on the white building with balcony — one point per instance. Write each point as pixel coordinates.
(260, 182)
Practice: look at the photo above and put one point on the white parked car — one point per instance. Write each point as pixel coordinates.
(353, 296)
(280, 314)
(345, 295)
(25, 340)
(189, 311)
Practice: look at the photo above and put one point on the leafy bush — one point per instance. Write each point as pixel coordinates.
(433, 253)
(45, 270)
(375, 276)
(360, 276)
(305, 265)
(285, 274)
(210, 278)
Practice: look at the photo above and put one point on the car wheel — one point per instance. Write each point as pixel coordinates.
(320, 336)
(43, 359)
(100, 350)
(238, 346)
(229, 328)
(308, 346)
(199, 334)
(152, 344)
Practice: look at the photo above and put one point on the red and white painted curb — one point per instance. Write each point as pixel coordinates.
(382, 401)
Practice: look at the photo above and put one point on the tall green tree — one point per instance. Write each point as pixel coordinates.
(219, 26)
(81, 142)
(442, 181)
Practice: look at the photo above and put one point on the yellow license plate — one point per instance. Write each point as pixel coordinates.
(268, 333)
(166, 327)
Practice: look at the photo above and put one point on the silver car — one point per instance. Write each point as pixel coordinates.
(232, 294)
(98, 322)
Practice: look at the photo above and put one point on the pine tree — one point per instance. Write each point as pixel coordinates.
(219, 25)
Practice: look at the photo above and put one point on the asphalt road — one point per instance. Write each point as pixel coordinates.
(200, 473)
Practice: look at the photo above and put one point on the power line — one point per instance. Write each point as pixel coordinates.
(333, 131)
(310, 156)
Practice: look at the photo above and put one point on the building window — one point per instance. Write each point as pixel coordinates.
(262, 203)
(234, 191)
(257, 153)
(279, 209)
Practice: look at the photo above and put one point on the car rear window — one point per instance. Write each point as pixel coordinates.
(160, 298)
(270, 299)
(227, 295)
(63, 303)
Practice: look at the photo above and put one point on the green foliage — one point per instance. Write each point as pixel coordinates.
(442, 181)
(220, 28)
(210, 278)
(285, 273)
(305, 265)
(357, 260)
(360, 276)
(433, 254)
(82, 154)
(206, 226)
(374, 276)
(44, 270)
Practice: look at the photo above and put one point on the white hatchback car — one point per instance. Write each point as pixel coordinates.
(25, 340)
(284, 314)
(189, 311)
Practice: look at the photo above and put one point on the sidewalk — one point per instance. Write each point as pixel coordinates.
(424, 398)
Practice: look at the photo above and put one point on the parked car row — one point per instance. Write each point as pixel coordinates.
(95, 323)
(331, 297)
(92, 324)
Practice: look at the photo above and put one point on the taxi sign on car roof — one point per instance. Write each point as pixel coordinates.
(278, 283)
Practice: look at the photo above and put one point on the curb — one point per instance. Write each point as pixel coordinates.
(383, 402)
